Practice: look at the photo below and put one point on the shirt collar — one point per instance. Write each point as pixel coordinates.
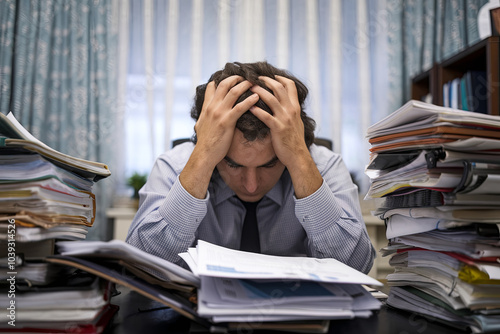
(221, 191)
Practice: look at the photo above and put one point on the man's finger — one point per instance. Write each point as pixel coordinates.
(267, 97)
(263, 115)
(209, 94)
(226, 85)
(277, 87)
(245, 105)
(290, 87)
(235, 92)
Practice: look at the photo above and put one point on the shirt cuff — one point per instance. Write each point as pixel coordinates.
(183, 210)
(316, 211)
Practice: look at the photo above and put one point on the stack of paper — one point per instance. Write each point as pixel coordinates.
(45, 196)
(41, 187)
(76, 304)
(241, 286)
(435, 176)
(227, 287)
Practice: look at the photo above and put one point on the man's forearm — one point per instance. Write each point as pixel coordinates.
(166, 226)
(305, 175)
(195, 177)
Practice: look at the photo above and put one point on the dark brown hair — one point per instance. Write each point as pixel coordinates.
(252, 127)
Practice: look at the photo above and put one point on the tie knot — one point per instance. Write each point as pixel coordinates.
(250, 205)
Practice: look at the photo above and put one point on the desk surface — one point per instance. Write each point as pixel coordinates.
(139, 314)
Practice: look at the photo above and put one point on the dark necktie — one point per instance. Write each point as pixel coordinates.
(250, 234)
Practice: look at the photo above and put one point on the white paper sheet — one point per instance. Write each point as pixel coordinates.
(218, 261)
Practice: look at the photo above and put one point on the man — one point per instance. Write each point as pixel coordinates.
(253, 145)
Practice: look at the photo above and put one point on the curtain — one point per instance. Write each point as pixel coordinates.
(424, 32)
(335, 47)
(58, 77)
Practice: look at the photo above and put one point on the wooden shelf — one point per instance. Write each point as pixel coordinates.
(482, 56)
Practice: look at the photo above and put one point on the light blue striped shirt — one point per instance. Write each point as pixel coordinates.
(326, 224)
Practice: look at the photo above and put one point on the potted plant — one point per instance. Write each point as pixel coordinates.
(136, 181)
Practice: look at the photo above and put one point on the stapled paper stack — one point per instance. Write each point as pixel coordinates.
(435, 179)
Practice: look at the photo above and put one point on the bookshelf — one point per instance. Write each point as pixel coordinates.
(424, 85)
(482, 56)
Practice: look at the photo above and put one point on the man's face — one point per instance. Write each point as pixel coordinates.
(250, 169)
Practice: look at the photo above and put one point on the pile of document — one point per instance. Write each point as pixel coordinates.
(79, 304)
(45, 193)
(435, 179)
(241, 286)
(229, 287)
(45, 196)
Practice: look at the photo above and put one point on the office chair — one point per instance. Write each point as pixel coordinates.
(176, 142)
(324, 142)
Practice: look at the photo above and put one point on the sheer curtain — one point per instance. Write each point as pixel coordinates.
(335, 47)
(57, 76)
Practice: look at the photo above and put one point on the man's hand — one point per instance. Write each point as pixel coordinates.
(215, 130)
(286, 126)
(287, 133)
(217, 122)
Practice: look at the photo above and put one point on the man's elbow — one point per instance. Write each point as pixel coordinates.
(362, 255)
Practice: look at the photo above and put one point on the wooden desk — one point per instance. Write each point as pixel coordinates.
(138, 314)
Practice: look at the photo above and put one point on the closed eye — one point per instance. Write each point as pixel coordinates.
(231, 164)
(270, 164)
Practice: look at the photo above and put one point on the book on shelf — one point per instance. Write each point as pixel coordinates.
(468, 92)
(476, 84)
(454, 95)
(226, 287)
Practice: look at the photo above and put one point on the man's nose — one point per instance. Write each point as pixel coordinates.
(250, 180)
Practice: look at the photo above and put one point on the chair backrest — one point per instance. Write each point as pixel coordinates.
(324, 142)
(176, 142)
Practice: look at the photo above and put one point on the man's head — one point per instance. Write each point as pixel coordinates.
(251, 127)
(251, 167)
